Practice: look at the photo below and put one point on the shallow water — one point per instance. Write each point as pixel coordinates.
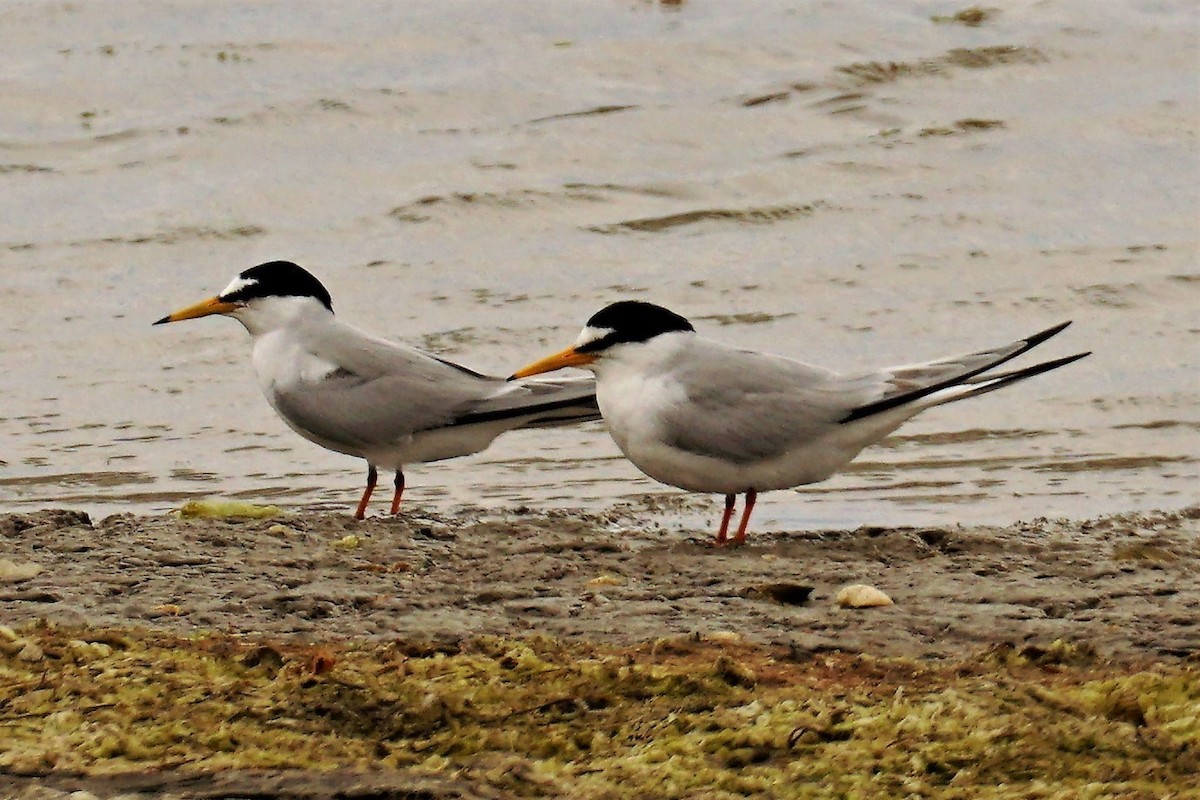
(851, 184)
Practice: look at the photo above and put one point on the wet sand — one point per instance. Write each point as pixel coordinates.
(1126, 585)
(1119, 596)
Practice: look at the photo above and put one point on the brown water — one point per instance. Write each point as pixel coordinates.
(850, 183)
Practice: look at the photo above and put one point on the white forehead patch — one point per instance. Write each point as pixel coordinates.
(237, 284)
(590, 334)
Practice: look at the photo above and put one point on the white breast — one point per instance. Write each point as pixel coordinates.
(636, 388)
(282, 364)
(631, 404)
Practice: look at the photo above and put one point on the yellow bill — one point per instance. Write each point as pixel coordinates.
(567, 358)
(213, 305)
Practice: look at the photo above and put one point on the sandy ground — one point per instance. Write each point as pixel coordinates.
(1128, 584)
(1125, 585)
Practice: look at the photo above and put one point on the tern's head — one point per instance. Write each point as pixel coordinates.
(263, 298)
(614, 332)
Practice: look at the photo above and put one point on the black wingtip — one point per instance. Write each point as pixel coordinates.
(1028, 372)
(162, 321)
(970, 377)
(1062, 362)
(1038, 338)
(1045, 366)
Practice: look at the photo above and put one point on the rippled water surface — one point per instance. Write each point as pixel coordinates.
(853, 184)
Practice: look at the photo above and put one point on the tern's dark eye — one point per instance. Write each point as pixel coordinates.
(596, 345)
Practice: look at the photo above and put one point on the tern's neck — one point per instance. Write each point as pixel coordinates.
(277, 313)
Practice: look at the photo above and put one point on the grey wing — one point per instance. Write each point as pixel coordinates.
(347, 410)
(378, 392)
(743, 406)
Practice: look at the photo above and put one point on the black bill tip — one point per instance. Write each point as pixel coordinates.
(162, 321)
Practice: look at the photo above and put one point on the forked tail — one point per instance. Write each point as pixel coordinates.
(959, 377)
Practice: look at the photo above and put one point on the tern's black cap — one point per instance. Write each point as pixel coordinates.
(633, 321)
(278, 279)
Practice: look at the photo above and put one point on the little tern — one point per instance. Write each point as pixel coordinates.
(363, 396)
(707, 417)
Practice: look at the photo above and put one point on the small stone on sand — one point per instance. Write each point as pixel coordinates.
(11, 572)
(859, 595)
(30, 652)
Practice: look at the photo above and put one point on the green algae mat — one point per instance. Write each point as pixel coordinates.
(718, 717)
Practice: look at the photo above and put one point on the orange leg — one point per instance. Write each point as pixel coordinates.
(729, 501)
(372, 479)
(751, 496)
(399, 491)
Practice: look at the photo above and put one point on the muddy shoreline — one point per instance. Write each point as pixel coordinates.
(1127, 585)
(549, 644)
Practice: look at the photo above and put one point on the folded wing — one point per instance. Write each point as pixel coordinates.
(744, 407)
(378, 393)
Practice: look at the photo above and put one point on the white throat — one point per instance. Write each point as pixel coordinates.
(267, 314)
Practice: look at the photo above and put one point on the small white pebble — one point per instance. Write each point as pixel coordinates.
(859, 595)
(89, 650)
